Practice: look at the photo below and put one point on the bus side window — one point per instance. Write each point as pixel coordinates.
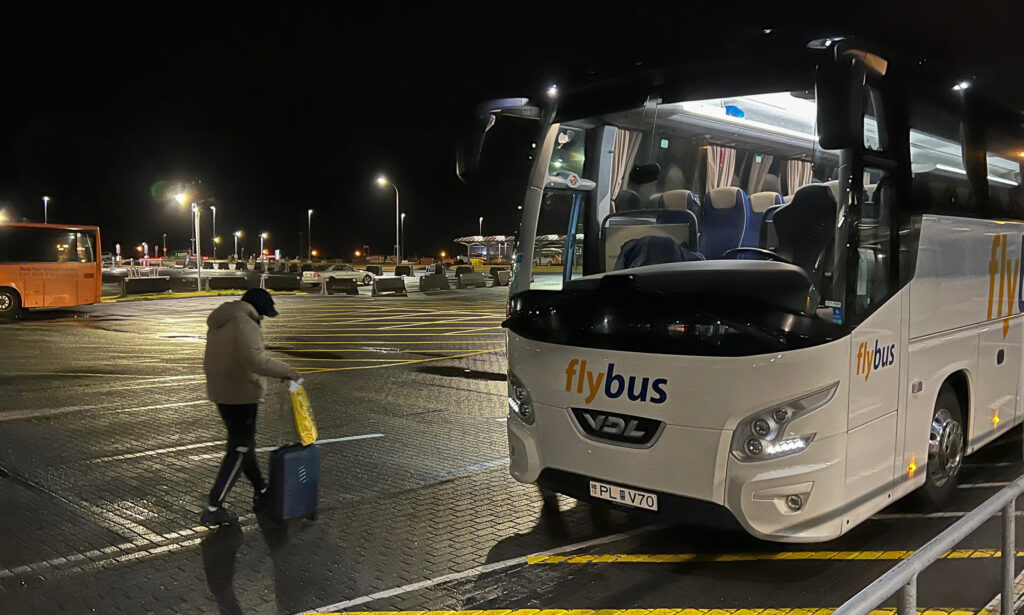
(874, 280)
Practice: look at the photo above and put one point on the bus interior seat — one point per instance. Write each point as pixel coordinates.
(674, 178)
(788, 199)
(834, 186)
(760, 203)
(680, 200)
(769, 239)
(652, 250)
(723, 223)
(620, 228)
(806, 229)
(869, 210)
(626, 200)
(771, 183)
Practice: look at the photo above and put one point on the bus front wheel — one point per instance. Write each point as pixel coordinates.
(945, 448)
(10, 303)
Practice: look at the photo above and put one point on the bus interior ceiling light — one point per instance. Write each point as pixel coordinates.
(824, 43)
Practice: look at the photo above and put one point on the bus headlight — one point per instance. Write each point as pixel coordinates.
(519, 401)
(766, 435)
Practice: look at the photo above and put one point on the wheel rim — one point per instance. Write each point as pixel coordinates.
(367, 280)
(945, 448)
(5, 302)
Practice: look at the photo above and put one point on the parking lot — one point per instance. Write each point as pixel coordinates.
(108, 446)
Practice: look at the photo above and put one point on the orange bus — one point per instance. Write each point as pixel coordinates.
(48, 265)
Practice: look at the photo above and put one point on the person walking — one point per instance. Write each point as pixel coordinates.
(234, 362)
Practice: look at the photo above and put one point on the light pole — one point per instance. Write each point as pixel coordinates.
(213, 208)
(237, 235)
(199, 249)
(402, 244)
(165, 246)
(481, 226)
(46, 217)
(309, 234)
(383, 181)
(262, 237)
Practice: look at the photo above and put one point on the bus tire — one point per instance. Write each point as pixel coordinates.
(945, 448)
(10, 303)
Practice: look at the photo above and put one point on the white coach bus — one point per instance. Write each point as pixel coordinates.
(790, 289)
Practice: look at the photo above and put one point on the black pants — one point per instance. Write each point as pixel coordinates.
(241, 454)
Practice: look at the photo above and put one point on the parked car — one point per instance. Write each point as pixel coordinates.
(336, 272)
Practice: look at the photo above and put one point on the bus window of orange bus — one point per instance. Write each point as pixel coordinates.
(48, 265)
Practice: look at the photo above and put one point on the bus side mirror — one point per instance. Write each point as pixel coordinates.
(840, 87)
(473, 131)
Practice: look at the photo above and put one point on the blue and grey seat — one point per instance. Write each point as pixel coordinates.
(763, 206)
(724, 218)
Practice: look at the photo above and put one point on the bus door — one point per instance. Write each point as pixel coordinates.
(60, 281)
(88, 284)
(866, 267)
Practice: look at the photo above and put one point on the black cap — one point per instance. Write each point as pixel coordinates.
(261, 300)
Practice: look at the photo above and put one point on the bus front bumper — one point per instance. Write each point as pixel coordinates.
(688, 463)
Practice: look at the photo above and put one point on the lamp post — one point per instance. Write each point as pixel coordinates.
(165, 246)
(309, 234)
(383, 181)
(262, 237)
(46, 217)
(481, 231)
(213, 208)
(402, 244)
(237, 235)
(199, 249)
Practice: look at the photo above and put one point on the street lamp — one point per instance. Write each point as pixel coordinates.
(181, 197)
(199, 250)
(262, 237)
(383, 181)
(403, 233)
(165, 246)
(237, 235)
(309, 233)
(46, 217)
(481, 226)
(213, 208)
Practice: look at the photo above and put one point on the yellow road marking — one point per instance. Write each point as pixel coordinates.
(389, 350)
(492, 342)
(755, 611)
(400, 363)
(676, 558)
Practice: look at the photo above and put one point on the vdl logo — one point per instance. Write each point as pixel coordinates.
(874, 358)
(615, 385)
(1008, 280)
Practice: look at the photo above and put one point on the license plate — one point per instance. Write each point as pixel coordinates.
(624, 496)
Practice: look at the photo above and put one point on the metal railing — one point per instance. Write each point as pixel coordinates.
(902, 578)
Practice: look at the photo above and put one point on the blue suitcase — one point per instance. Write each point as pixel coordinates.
(295, 481)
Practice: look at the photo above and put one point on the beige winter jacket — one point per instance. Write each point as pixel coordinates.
(236, 357)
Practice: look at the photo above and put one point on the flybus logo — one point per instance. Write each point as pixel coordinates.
(585, 382)
(1008, 271)
(874, 358)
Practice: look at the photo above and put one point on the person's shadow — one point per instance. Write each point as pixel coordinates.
(220, 549)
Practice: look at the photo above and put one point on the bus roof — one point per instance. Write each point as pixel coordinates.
(69, 227)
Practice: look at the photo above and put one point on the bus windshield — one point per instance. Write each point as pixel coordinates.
(727, 200)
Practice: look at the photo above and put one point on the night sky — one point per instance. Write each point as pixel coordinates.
(278, 108)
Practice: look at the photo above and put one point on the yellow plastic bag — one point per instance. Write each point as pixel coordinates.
(303, 413)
